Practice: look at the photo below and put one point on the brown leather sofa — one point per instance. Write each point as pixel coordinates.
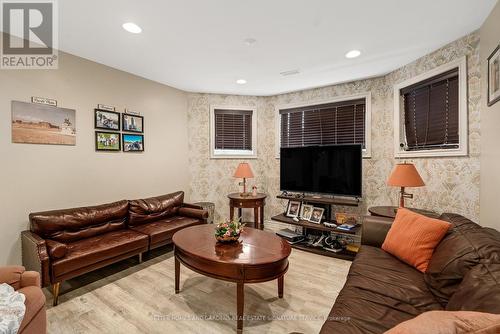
(27, 283)
(63, 244)
(381, 291)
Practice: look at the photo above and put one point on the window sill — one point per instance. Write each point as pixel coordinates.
(432, 153)
(233, 154)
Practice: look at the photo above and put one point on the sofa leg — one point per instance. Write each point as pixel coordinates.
(140, 257)
(55, 292)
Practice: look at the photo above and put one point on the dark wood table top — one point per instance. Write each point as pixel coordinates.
(390, 211)
(258, 256)
(254, 248)
(238, 196)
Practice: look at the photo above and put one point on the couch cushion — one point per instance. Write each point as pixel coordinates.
(479, 290)
(70, 225)
(154, 208)
(413, 237)
(163, 230)
(89, 251)
(465, 246)
(380, 292)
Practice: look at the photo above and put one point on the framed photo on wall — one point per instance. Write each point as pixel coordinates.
(34, 123)
(293, 209)
(494, 77)
(106, 120)
(107, 141)
(133, 143)
(133, 123)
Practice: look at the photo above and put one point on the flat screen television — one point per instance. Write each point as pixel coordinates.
(332, 169)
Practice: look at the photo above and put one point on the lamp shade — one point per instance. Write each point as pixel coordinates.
(405, 175)
(243, 171)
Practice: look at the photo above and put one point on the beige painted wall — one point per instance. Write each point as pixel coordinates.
(44, 177)
(452, 183)
(490, 127)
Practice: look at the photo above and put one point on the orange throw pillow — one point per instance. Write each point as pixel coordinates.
(413, 237)
(446, 322)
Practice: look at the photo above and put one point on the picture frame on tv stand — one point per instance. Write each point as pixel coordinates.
(317, 215)
(293, 208)
(306, 212)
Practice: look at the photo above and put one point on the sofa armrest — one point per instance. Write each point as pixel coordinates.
(30, 278)
(18, 277)
(194, 212)
(56, 249)
(12, 276)
(374, 230)
(35, 255)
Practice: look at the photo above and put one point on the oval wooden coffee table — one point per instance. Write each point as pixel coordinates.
(259, 256)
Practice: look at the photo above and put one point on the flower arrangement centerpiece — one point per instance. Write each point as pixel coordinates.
(228, 231)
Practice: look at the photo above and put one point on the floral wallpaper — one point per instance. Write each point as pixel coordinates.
(452, 184)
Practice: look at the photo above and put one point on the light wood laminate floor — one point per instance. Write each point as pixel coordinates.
(139, 298)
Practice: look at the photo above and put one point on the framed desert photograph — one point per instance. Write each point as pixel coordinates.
(107, 120)
(42, 124)
(133, 123)
(107, 141)
(494, 77)
(133, 143)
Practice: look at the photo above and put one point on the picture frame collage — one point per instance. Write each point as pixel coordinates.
(108, 124)
(307, 212)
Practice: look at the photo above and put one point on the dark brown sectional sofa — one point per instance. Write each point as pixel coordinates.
(63, 244)
(381, 291)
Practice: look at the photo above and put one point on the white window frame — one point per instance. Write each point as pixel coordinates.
(367, 151)
(462, 149)
(233, 154)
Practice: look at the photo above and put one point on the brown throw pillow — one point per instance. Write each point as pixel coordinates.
(413, 237)
(445, 322)
(56, 249)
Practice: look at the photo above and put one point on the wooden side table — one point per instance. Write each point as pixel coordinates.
(390, 211)
(251, 202)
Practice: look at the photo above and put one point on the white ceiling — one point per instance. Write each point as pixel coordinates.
(198, 45)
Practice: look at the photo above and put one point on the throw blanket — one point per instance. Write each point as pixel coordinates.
(12, 309)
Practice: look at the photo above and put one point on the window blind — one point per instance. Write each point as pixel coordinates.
(431, 113)
(233, 129)
(324, 124)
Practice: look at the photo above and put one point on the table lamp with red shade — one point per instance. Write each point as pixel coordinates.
(405, 175)
(244, 171)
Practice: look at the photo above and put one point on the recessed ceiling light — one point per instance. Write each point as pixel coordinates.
(353, 54)
(132, 27)
(250, 41)
(241, 81)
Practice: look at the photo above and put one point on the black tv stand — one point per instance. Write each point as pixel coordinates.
(323, 201)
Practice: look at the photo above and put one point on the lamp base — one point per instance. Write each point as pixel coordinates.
(244, 193)
(402, 195)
